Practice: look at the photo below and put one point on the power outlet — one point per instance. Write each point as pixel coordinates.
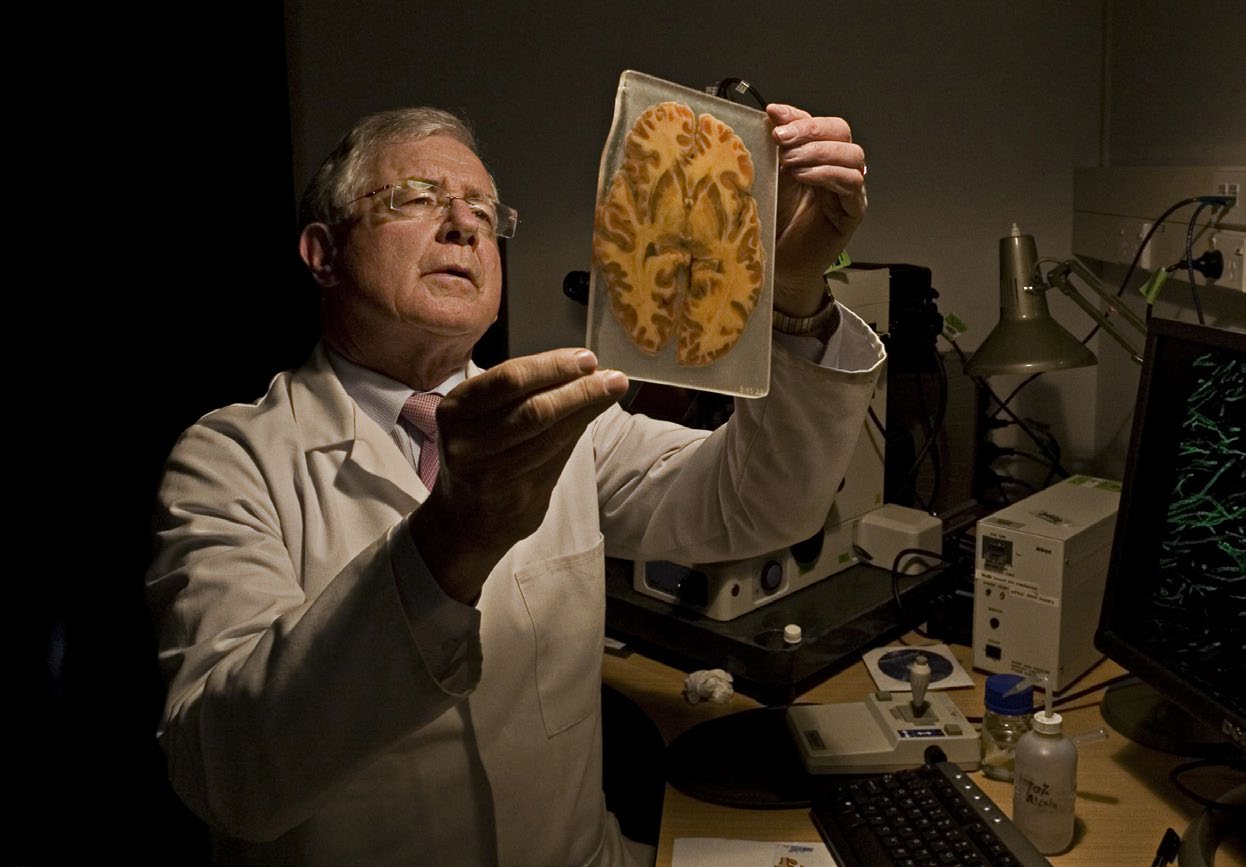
(1227, 183)
(1115, 206)
(1232, 245)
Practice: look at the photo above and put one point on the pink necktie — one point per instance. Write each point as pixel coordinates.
(421, 411)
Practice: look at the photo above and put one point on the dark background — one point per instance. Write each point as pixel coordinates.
(180, 292)
(176, 289)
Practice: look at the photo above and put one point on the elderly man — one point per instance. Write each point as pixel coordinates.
(382, 638)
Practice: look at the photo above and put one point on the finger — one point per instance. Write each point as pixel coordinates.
(536, 416)
(781, 113)
(801, 130)
(824, 153)
(513, 380)
(841, 181)
(838, 196)
(540, 460)
(539, 412)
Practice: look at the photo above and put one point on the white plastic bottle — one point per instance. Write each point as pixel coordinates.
(1045, 787)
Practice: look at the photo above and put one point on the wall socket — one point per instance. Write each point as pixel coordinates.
(1232, 245)
(1115, 207)
(1228, 184)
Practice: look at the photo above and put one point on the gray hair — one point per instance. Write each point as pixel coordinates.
(340, 176)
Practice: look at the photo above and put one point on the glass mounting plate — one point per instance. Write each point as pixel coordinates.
(745, 369)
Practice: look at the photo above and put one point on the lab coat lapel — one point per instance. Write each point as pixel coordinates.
(333, 420)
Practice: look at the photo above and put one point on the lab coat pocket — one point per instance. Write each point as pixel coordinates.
(565, 598)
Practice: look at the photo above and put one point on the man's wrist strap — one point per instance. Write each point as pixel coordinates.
(822, 323)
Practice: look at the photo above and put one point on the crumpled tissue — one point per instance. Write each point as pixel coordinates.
(713, 685)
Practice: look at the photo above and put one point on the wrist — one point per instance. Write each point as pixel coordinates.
(455, 562)
(799, 300)
(822, 322)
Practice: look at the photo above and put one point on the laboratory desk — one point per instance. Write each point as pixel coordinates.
(1124, 799)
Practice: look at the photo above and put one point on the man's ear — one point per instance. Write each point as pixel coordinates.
(319, 253)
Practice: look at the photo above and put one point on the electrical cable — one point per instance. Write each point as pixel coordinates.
(936, 457)
(928, 430)
(1033, 489)
(999, 486)
(1175, 775)
(1038, 459)
(878, 424)
(932, 430)
(1189, 258)
(1141, 247)
(1133, 265)
(936, 454)
(1051, 473)
(895, 577)
(1013, 393)
(723, 86)
(1111, 681)
(996, 478)
(1055, 458)
(1043, 447)
(936, 487)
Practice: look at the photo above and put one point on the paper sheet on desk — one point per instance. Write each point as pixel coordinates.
(718, 852)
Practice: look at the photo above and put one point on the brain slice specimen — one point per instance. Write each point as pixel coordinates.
(677, 238)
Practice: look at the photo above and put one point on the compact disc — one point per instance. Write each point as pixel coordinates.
(895, 663)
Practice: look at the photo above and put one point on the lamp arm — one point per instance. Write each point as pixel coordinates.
(1059, 278)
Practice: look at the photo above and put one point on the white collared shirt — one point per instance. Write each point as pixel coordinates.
(383, 398)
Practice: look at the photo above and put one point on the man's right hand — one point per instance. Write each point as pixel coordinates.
(505, 437)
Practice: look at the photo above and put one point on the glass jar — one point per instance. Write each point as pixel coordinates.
(1006, 719)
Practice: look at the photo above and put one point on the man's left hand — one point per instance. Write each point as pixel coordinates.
(821, 202)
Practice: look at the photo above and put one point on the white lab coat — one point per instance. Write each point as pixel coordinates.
(303, 723)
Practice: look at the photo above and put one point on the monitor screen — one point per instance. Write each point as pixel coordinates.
(1174, 610)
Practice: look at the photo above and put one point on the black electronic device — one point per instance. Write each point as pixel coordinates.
(932, 814)
(1174, 609)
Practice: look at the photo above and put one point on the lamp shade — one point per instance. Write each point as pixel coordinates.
(1026, 339)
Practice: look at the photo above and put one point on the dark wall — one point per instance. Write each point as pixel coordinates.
(186, 294)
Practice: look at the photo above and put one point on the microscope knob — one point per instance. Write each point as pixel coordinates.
(771, 576)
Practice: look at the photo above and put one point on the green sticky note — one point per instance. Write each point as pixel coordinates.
(1150, 289)
(954, 322)
(953, 327)
(841, 261)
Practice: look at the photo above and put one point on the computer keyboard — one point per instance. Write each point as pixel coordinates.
(932, 815)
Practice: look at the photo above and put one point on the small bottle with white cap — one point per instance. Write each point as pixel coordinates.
(1045, 788)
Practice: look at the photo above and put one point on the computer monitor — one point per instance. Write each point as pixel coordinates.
(1174, 609)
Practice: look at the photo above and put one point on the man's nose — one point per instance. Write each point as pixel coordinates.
(459, 225)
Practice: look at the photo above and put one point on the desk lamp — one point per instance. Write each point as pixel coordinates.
(1027, 340)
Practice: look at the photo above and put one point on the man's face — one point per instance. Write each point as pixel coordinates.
(414, 279)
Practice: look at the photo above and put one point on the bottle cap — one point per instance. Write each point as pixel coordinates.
(791, 634)
(1048, 723)
(1017, 704)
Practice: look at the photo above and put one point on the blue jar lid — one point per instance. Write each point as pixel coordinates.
(1014, 705)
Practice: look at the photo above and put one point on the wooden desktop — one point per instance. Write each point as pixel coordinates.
(1125, 800)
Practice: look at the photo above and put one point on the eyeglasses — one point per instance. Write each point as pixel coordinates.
(418, 199)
